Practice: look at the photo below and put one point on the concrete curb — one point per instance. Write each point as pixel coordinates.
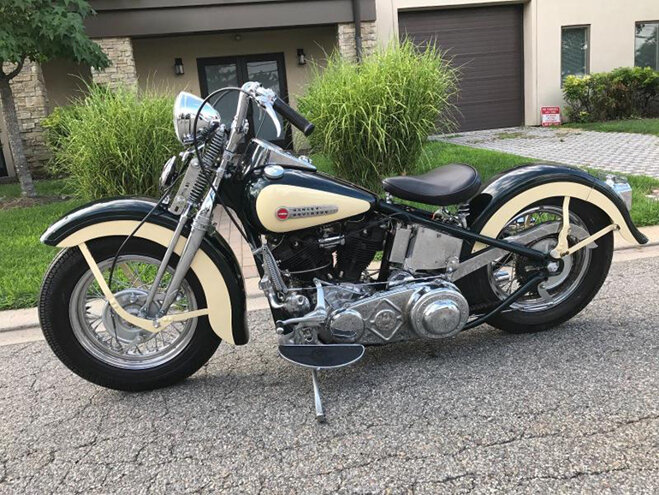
(22, 319)
(18, 319)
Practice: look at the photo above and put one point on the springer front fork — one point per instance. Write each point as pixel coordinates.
(202, 221)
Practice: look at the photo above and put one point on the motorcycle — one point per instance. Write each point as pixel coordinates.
(143, 292)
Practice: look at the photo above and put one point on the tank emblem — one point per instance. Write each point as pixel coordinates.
(286, 212)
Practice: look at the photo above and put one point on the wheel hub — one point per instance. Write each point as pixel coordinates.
(132, 300)
(560, 270)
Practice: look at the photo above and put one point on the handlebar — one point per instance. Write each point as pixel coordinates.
(292, 116)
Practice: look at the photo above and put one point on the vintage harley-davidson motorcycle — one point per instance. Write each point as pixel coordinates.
(144, 291)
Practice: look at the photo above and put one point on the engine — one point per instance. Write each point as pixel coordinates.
(339, 252)
(426, 310)
(358, 309)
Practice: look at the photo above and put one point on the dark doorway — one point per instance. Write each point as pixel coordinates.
(3, 164)
(268, 69)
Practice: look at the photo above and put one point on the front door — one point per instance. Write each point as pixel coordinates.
(268, 69)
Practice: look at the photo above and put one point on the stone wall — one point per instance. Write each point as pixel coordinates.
(346, 37)
(31, 100)
(122, 69)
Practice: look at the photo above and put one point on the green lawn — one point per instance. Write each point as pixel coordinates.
(53, 187)
(23, 259)
(639, 126)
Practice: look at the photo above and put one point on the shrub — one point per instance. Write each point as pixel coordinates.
(623, 93)
(56, 126)
(373, 118)
(112, 142)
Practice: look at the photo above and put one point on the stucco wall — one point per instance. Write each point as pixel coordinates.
(154, 57)
(611, 37)
(612, 25)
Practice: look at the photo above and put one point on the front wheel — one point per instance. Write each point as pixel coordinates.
(565, 293)
(96, 344)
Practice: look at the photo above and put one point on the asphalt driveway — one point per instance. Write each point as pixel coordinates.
(572, 410)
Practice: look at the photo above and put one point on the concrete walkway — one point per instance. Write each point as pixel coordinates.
(612, 151)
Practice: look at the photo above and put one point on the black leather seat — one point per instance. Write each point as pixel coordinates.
(447, 185)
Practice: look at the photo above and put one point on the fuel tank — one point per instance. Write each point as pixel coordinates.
(293, 199)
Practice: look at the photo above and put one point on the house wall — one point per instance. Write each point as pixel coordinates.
(64, 81)
(612, 29)
(612, 24)
(154, 57)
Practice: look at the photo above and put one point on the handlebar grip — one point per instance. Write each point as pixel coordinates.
(293, 117)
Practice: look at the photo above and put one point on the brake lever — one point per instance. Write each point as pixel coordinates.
(264, 102)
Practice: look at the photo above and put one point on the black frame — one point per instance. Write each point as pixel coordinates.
(241, 71)
(423, 217)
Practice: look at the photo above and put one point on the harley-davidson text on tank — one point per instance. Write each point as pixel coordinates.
(289, 212)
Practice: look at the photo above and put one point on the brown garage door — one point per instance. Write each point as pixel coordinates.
(486, 43)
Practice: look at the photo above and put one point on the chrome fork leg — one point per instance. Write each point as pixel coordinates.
(200, 226)
(188, 254)
(320, 412)
(165, 262)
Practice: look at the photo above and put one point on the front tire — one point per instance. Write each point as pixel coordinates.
(108, 351)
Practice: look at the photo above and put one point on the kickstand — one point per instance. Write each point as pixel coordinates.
(320, 413)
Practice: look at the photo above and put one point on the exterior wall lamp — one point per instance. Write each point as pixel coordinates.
(178, 67)
(301, 57)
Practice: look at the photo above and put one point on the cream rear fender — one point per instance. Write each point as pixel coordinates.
(514, 190)
(215, 265)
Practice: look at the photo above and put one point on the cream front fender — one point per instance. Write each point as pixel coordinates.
(585, 192)
(216, 290)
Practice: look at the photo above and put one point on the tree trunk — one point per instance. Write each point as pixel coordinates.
(15, 142)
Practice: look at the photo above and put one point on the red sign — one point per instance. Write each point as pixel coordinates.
(282, 213)
(550, 116)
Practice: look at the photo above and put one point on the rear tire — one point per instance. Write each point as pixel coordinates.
(479, 290)
(65, 272)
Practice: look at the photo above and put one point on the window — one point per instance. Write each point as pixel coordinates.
(646, 47)
(268, 69)
(574, 51)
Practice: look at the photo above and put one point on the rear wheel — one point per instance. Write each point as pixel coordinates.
(577, 280)
(95, 343)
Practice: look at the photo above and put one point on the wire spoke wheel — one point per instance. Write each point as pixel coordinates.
(114, 341)
(509, 273)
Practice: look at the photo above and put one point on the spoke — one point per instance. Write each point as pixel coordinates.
(128, 273)
(96, 293)
(92, 316)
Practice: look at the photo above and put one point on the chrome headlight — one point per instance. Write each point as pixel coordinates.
(186, 107)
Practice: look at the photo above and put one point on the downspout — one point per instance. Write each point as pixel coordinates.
(357, 18)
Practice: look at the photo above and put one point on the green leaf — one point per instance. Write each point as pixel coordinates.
(41, 30)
